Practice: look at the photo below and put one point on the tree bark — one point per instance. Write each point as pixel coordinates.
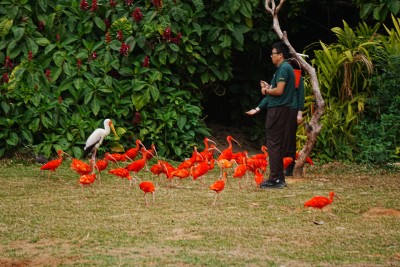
(314, 126)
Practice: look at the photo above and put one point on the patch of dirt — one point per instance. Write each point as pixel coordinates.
(376, 212)
(37, 253)
(220, 132)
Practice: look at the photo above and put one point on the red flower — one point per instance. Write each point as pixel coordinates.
(124, 50)
(137, 119)
(30, 56)
(113, 3)
(60, 100)
(167, 34)
(78, 63)
(120, 36)
(84, 5)
(58, 37)
(8, 63)
(108, 24)
(137, 14)
(94, 55)
(157, 3)
(5, 78)
(146, 62)
(108, 37)
(41, 25)
(177, 39)
(94, 6)
(47, 73)
(129, 2)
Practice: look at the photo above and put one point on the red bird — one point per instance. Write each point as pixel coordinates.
(180, 173)
(121, 173)
(240, 171)
(132, 152)
(53, 164)
(202, 168)
(191, 161)
(115, 157)
(208, 151)
(147, 187)
(81, 167)
(218, 186)
(227, 153)
(151, 152)
(286, 162)
(87, 179)
(308, 159)
(137, 165)
(262, 156)
(258, 177)
(319, 202)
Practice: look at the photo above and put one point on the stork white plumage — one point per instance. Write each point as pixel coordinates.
(96, 139)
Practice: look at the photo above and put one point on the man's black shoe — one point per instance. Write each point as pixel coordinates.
(278, 184)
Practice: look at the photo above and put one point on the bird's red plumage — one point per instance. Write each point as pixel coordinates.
(319, 202)
(147, 187)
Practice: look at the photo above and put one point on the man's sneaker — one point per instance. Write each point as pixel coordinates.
(278, 184)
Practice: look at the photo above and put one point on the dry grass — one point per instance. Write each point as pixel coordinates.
(56, 223)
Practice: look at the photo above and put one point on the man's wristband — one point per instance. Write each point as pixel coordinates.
(257, 109)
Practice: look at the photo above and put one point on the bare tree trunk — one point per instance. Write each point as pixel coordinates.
(314, 126)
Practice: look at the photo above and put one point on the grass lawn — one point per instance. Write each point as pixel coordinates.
(54, 222)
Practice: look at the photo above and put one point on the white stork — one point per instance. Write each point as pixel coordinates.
(96, 138)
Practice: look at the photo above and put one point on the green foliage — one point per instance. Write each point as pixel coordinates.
(379, 130)
(378, 10)
(73, 67)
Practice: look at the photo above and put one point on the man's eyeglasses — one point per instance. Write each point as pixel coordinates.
(275, 53)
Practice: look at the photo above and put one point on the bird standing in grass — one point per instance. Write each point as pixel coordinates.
(147, 187)
(319, 202)
(218, 186)
(96, 139)
(81, 167)
(228, 152)
(122, 173)
(53, 164)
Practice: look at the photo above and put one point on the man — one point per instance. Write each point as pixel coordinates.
(295, 117)
(279, 97)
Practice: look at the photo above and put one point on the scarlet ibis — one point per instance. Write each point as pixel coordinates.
(308, 159)
(147, 187)
(264, 155)
(287, 161)
(53, 164)
(132, 152)
(208, 151)
(139, 164)
(101, 165)
(180, 173)
(121, 173)
(96, 139)
(192, 160)
(201, 169)
(239, 172)
(258, 177)
(319, 202)
(227, 153)
(87, 179)
(81, 167)
(218, 186)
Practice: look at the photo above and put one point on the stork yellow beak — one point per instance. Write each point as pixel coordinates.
(113, 129)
